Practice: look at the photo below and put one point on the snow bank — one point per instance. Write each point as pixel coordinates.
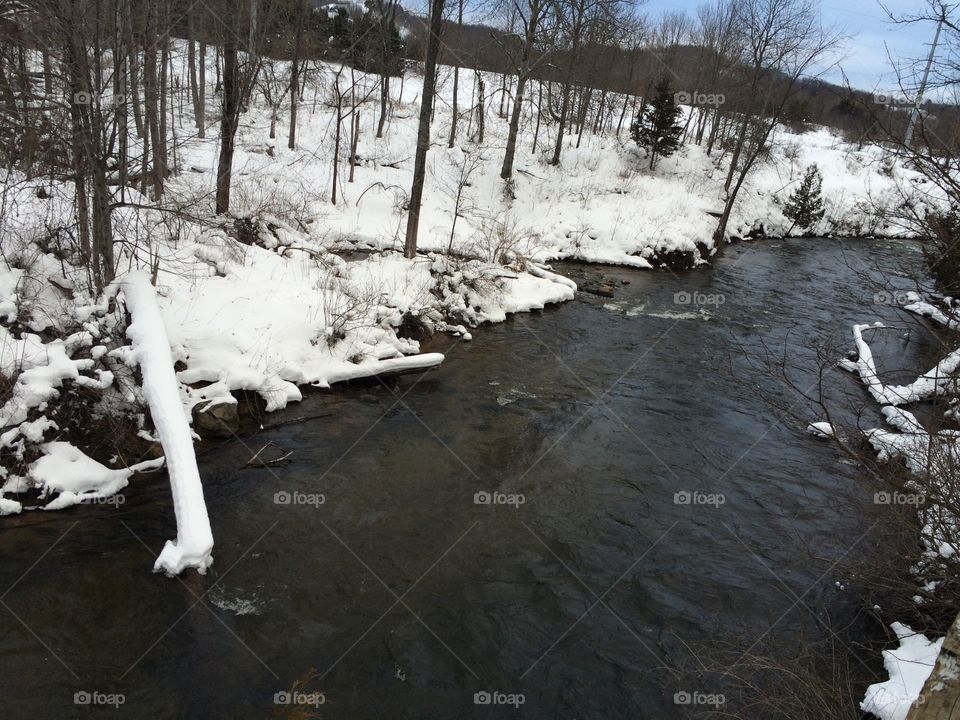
(151, 351)
(908, 666)
(78, 478)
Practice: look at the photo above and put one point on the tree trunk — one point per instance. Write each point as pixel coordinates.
(564, 109)
(228, 122)
(295, 78)
(202, 91)
(423, 132)
(536, 129)
(294, 99)
(456, 86)
(454, 109)
(481, 110)
(506, 171)
(164, 89)
(384, 103)
(151, 110)
(354, 139)
(192, 69)
(338, 121)
(584, 108)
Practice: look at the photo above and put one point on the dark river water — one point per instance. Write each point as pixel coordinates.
(576, 591)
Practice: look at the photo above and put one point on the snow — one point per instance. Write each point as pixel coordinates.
(78, 478)
(821, 429)
(43, 368)
(924, 454)
(908, 666)
(151, 350)
(937, 380)
(919, 306)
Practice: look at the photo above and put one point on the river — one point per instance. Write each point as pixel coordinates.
(645, 502)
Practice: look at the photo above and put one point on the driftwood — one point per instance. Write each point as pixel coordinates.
(256, 461)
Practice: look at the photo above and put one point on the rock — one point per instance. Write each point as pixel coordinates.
(601, 289)
(220, 420)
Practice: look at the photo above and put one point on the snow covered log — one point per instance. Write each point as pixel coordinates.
(151, 350)
(941, 379)
(389, 366)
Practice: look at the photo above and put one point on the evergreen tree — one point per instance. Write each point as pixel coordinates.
(656, 127)
(805, 205)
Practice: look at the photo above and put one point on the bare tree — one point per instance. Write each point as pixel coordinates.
(532, 14)
(423, 131)
(783, 38)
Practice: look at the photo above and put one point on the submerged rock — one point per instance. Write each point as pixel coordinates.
(598, 288)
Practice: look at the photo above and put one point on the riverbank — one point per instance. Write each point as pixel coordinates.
(264, 302)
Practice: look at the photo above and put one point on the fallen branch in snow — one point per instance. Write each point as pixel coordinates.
(151, 350)
(932, 458)
(918, 306)
(939, 380)
(389, 366)
(527, 172)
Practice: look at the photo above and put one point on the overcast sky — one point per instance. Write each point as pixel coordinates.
(864, 59)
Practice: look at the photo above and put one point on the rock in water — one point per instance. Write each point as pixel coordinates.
(220, 420)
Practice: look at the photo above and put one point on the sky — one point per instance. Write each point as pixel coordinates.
(864, 56)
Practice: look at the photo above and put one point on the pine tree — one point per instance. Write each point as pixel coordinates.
(805, 205)
(656, 128)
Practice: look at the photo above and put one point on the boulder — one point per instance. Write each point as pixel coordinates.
(216, 420)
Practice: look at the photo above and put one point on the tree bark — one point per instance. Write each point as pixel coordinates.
(940, 697)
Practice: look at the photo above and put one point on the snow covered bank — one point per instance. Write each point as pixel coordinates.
(601, 204)
(932, 459)
(263, 317)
